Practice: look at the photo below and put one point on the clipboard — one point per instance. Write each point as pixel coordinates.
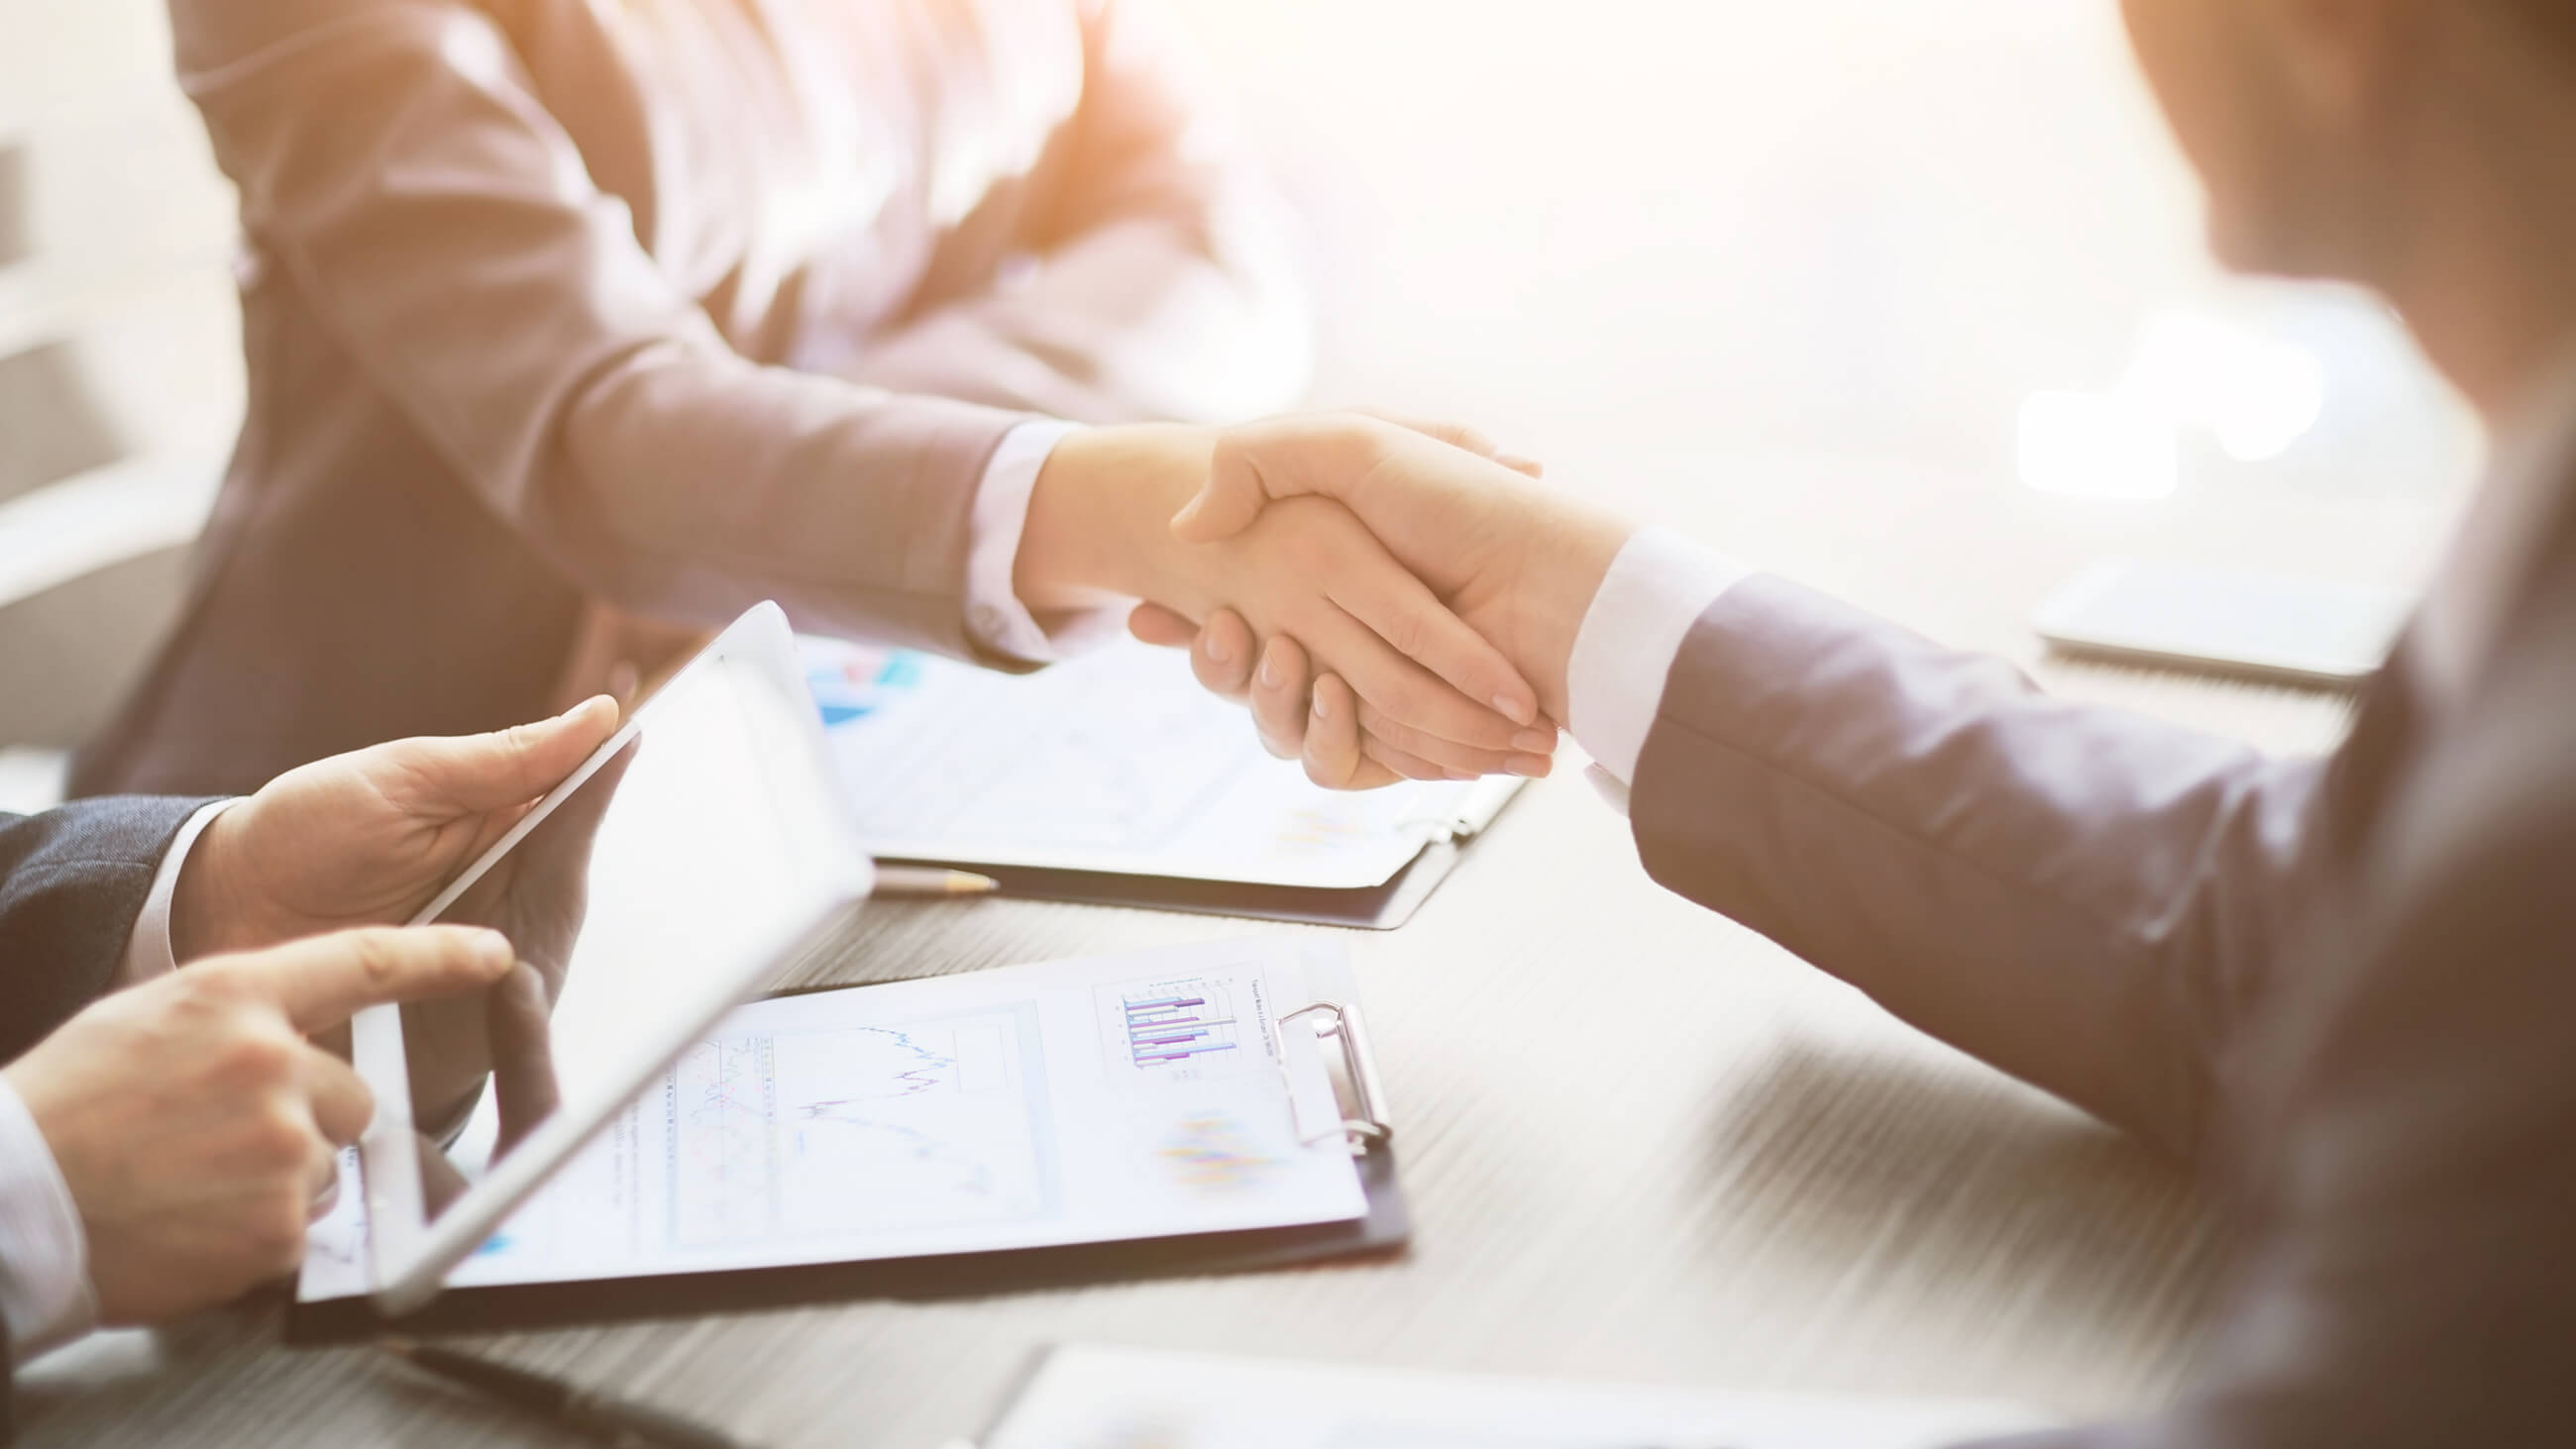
(1381, 1232)
(1382, 907)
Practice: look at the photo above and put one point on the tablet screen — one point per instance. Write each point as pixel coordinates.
(696, 855)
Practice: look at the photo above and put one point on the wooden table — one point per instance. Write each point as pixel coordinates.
(1638, 1141)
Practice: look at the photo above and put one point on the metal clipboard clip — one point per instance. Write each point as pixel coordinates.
(1368, 1127)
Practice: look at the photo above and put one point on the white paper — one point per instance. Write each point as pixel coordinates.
(1083, 1101)
(1094, 1397)
(1116, 761)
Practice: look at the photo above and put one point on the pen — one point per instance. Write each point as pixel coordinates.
(598, 1415)
(913, 880)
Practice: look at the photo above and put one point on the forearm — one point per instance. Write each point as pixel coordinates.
(2087, 899)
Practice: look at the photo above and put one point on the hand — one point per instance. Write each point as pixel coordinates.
(368, 837)
(1099, 524)
(196, 1125)
(1519, 564)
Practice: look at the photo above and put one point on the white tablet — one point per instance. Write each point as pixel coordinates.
(699, 850)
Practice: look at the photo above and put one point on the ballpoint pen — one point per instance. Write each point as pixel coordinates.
(610, 1420)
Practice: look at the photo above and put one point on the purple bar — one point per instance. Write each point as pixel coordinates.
(1136, 1006)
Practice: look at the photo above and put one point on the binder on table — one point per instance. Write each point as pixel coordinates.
(1283, 1112)
(1113, 779)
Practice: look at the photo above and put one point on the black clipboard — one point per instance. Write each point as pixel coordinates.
(1381, 907)
(1381, 1232)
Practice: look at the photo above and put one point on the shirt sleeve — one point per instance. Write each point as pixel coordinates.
(996, 619)
(148, 952)
(44, 1257)
(1657, 587)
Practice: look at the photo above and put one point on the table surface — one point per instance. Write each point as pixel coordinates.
(1771, 1185)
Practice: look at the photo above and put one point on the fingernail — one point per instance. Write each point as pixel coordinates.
(1463, 775)
(1530, 767)
(1270, 672)
(1322, 710)
(493, 946)
(1536, 742)
(1518, 711)
(1216, 650)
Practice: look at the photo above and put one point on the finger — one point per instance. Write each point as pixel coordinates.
(469, 774)
(1406, 766)
(1279, 692)
(440, 1182)
(321, 981)
(322, 1180)
(1222, 655)
(1406, 614)
(341, 1101)
(1332, 757)
(523, 1059)
(1399, 687)
(1159, 626)
(1457, 760)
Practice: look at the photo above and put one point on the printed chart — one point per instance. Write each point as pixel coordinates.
(1186, 1029)
(858, 1129)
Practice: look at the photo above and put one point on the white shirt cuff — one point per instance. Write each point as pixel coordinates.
(995, 617)
(148, 952)
(1656, 589)
(44, 1256)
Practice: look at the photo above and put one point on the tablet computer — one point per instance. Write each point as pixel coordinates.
(703, 847)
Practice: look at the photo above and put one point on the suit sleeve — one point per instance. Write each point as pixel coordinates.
(2409, 1267)
(2087, 899)
(71, 883)
(393, 158)
(1152, 276)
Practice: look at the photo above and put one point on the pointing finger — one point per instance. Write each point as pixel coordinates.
(321, 981)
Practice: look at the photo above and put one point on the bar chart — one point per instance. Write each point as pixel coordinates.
(1177, 1022)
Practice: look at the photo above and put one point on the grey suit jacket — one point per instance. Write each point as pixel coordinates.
(674, 306)
(2347, 986)
(71, 883)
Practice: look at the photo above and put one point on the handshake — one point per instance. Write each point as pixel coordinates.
(1393, 600)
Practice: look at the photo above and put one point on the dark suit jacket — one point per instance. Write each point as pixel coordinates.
(2347, 986)
(71, 882)
(670, 307)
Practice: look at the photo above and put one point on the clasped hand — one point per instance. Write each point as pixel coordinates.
(1488, 553)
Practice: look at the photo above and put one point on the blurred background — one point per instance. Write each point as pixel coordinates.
(1936, 262)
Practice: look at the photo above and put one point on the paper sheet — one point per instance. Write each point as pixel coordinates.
(1084, 1101)
(1095, 1397)
(1116, 762)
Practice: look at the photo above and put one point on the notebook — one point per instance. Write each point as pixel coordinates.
(1114, 778)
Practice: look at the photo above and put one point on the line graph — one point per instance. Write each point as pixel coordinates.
(851, 1129)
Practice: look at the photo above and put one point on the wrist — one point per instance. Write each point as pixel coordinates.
(1552, 595)
(205, 905)
(1099, 519)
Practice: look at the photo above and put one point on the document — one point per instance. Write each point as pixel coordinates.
(1115, 762)
(1124, 1097)
(1088, 1396)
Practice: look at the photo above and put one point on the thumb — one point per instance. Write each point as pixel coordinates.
(1461, 436)
(471, 774)
(1279, 458)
